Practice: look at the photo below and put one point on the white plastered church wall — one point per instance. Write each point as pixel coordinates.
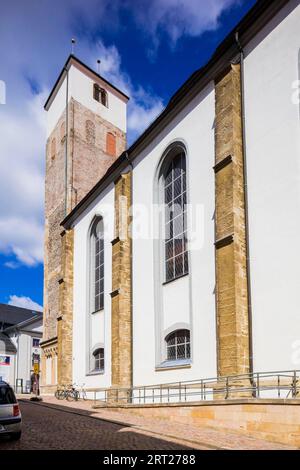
(273, 166)
(100, 327)
(190, 299)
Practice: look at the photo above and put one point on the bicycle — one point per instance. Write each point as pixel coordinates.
(60, 393)
(82, 392)
(72, 394)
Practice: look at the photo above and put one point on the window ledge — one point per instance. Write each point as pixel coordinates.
(95, 372)
(97, 311)
(167, 365)
(175, 279)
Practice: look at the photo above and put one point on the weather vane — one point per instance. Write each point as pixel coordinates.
(73, 41)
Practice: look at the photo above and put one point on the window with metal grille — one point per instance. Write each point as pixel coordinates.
(100, 95)
(99, 359)
(97, 265)
(178, 345)
(176, 255)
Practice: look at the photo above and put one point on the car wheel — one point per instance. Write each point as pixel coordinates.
(15, 436)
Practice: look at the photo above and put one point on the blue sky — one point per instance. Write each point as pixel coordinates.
(147, 48)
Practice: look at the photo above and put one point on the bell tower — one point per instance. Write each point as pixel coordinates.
(86, 132)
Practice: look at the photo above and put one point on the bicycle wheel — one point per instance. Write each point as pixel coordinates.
(72, 395)
(59, 394)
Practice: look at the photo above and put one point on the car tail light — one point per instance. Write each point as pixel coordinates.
(16, 410)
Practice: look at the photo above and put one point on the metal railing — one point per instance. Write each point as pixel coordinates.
(278, 384)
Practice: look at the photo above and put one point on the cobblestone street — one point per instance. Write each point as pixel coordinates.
(45, 428)
(64, 425)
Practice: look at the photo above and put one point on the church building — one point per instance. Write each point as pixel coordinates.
(177, 258)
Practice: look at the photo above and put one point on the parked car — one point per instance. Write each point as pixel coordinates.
(10, 414)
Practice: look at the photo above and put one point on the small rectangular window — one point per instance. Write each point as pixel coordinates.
(35, 342)
(100, 95)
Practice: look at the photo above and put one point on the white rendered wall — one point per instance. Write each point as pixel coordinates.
(273, 166)
(195, 128)
(57, 108)
(101, 324)
(81, 89)
(7, 372)
(176, 302)
(48, 370)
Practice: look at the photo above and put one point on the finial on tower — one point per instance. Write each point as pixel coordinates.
(98, 66)
(73, 41)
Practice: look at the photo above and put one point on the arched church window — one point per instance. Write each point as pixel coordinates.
(111, 144)
(178, 345)
(98, 359)
(175, 236)
(97, 266)
(100, 95)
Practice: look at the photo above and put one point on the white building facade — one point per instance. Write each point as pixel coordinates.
(19, 346)
(177, 325)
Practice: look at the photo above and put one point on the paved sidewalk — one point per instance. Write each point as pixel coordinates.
(194, 437)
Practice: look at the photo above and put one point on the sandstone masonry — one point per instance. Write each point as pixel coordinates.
(230, 231)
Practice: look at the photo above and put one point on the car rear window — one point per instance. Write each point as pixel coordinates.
(7, 396)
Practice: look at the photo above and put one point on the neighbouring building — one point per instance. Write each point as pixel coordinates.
(20, 336)
(208, 286)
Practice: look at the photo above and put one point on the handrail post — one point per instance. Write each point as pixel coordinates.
(278, 386)
(227, 388)
(257, 385)
(180, 391)
(295, 385)
(160, 393)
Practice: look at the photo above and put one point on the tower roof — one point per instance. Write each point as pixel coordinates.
(73, 60)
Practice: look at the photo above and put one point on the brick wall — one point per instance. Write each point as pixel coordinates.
(88, 161)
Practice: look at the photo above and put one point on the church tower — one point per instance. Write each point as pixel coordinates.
(86, 132)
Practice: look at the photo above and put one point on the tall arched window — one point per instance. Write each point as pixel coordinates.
(175, 236)
(178, 345)
(97, 266)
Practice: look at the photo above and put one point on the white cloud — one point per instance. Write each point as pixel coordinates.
(143, 105)
(37, 36)
(11, 264)
(22, 182)
(178, 18)
(24, 302)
